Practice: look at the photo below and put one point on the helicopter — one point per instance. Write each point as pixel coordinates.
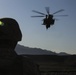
(49, 19)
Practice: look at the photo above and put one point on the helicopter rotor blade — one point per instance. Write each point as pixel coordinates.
(47, 10)
(37, 16)
(58, 11)
(38, 12)
(60, 15)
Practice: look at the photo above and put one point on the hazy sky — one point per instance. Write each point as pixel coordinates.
(61, 37)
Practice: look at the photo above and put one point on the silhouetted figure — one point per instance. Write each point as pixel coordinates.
(10, 62)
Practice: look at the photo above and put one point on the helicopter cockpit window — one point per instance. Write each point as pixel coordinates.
(1, 23)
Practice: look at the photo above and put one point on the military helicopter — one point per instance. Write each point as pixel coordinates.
(49, 19)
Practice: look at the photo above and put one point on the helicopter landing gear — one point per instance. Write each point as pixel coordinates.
(47, 26)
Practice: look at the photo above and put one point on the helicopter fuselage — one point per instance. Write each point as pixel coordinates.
(48, 21)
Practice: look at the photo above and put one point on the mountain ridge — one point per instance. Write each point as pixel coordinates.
(20, 49)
